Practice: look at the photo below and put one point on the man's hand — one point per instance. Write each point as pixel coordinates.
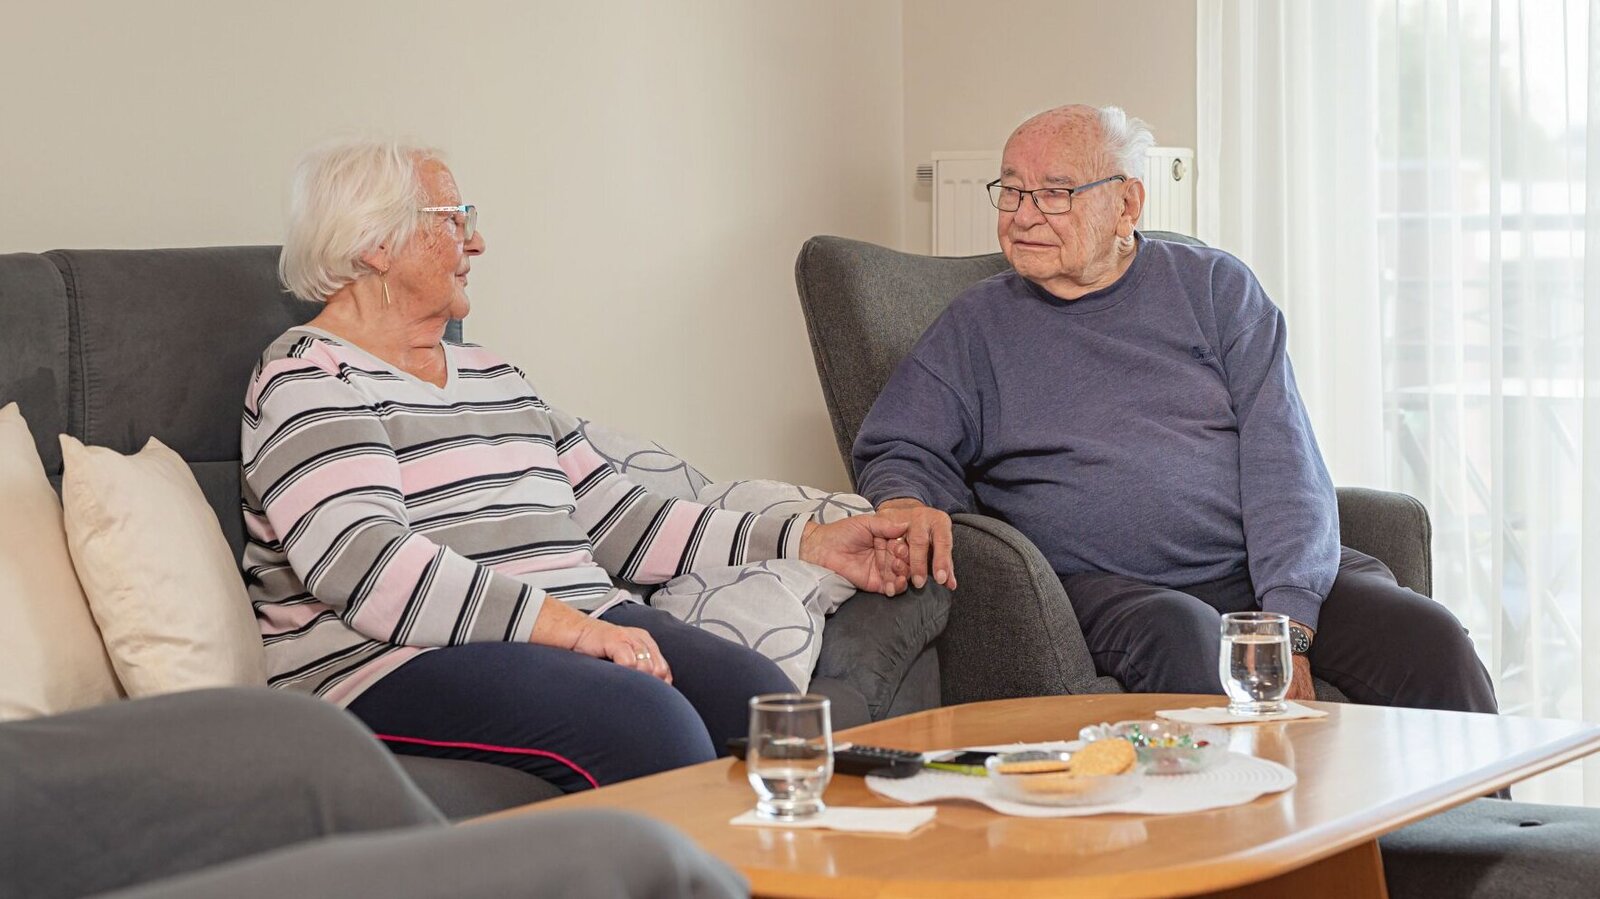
(928, 537)
(861, 549)
(1301, 686)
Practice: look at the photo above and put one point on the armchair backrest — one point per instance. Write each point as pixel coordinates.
(866, 306)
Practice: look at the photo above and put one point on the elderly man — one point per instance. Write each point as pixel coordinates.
(1129, 405)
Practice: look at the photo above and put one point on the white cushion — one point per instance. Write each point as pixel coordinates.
(51, 657)
(160, 578)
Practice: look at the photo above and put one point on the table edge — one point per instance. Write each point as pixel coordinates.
(1241, 868)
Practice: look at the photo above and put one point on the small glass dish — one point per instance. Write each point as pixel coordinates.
(1166, 747)
(1053, 784)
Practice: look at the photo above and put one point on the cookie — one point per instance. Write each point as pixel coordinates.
(1103, 758)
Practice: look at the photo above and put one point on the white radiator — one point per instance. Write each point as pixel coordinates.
(964, 219)
(1168, 190)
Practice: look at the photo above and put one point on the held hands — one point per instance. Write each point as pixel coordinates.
(928, 539)
(864, 549)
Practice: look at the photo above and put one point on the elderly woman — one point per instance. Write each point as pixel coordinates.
(432, 546)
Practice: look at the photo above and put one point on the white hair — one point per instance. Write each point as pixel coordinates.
(1127, 139)
(349, 198)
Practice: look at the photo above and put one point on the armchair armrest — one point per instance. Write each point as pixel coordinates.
(1011, 630)
(1394, 529)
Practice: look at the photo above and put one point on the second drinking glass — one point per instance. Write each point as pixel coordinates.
(1255, 667)
(790, 756)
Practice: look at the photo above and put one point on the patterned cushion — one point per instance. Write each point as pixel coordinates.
(644, 462)
(775, 607)
(778, 498)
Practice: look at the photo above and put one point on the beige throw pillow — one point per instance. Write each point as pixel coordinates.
(51, 658)
(160, 578)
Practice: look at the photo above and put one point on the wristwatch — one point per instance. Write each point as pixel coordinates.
(1299, 640)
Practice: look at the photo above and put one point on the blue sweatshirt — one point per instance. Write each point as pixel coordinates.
(1151, 429)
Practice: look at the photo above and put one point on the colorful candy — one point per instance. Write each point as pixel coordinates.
(1139, 738)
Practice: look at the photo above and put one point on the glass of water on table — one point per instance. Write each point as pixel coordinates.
(790, 756)
(1255, 666)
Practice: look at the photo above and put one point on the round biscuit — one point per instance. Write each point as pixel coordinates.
(1103, 758)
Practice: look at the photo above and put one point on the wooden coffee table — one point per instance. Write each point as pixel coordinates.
(1363, 771)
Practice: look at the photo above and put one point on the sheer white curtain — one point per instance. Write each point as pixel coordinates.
(1423, 223)
(1285, 167)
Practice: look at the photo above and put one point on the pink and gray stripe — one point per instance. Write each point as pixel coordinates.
(386, 516)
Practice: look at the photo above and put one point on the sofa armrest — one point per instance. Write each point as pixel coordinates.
(1011, 631)
(1394, 529)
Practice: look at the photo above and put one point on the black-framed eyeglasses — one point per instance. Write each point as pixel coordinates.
(469, 220)
(1050, 200)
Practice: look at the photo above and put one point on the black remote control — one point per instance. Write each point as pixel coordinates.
(853, 758)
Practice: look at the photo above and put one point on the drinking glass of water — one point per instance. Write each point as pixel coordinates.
(790, 756)
(1255, 666)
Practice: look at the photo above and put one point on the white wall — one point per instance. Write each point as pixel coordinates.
(646, 172)
(976, 70)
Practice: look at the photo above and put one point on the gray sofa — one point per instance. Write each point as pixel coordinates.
(116, 346)
(252, 793)
(866, 306)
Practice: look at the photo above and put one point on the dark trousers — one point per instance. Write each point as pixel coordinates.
(1378, 642)
(571, 719)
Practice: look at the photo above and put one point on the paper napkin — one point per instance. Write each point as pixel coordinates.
(855, 820)
(1220, 715)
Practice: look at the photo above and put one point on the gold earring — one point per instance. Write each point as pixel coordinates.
(385, 291)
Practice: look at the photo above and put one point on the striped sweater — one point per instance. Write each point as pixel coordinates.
(385, 516)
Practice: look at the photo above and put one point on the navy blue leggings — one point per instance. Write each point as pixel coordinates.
(571, 719)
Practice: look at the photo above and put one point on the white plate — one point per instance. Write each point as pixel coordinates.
(1235, 780)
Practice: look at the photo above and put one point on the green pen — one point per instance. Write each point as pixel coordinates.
(969, 763)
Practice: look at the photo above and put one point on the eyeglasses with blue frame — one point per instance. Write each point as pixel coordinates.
(469, 214)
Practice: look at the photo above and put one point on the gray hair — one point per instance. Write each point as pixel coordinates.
(1127, 139)
(349, 198)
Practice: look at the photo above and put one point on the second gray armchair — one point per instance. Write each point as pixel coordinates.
(1011, 631)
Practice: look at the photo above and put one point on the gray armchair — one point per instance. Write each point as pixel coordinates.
(1011, 630)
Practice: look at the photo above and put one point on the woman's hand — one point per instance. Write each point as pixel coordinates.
(864, 549)
(630, 647)
(562, 626)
